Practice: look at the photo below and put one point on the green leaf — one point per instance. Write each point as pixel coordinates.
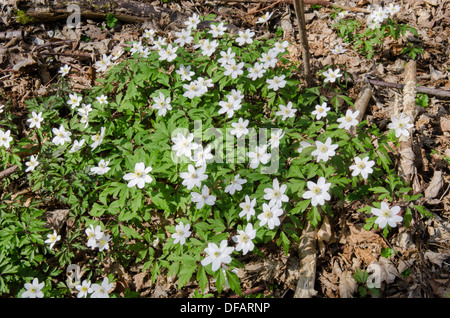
(160, 202)
(312, 171)
(129, 232)
(314, 216)
(382, 191)
(283, 239)
(137, 202)
(202, 279)
(186, 271)
(111, 20)
(423, 211)
(125, 215)
(97, 210)
(174, 268)
(295, 172)
(220, 280)
(233, 282)
(361, 276)
(300, 207)
(387, 252)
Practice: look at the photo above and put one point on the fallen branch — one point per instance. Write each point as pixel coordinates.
(8, 171)
(407, 167)
(55, 43)
(307, 254)
(419, 89)
(362, 101)
(266, 8)
(129, 10)
(124, 10)
(306, 2)
(21, 192)
(75, 55)
(250, 291)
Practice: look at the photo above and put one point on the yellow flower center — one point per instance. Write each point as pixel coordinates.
(323, 148)
(316, 190)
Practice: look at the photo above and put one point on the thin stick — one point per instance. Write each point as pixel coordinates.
(250, 291)
(80, 55)
(265, 8)
(420, 89)
(300, 12)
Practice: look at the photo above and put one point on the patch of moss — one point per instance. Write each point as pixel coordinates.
(23, 18)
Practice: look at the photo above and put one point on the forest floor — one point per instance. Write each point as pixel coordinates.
(420, 266)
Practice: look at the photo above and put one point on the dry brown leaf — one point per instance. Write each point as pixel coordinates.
(329, 283)
(445, 124)
(142, 281)
(404, 240)
(436, 258)
(56, 219)
(381, 271)
(347, 285)
(435, 185)
(407, 167)
(160, 292)
(440, 287)
(366, 245)
(431, 2)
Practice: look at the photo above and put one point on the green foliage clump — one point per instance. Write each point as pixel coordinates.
(123, 157)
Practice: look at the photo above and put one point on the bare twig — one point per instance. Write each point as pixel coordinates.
(266, 8)
(56, 43)
(300, 13)
(78, 55)
(444, 94)
(8, 35)
(21, 192)
(250, 291)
